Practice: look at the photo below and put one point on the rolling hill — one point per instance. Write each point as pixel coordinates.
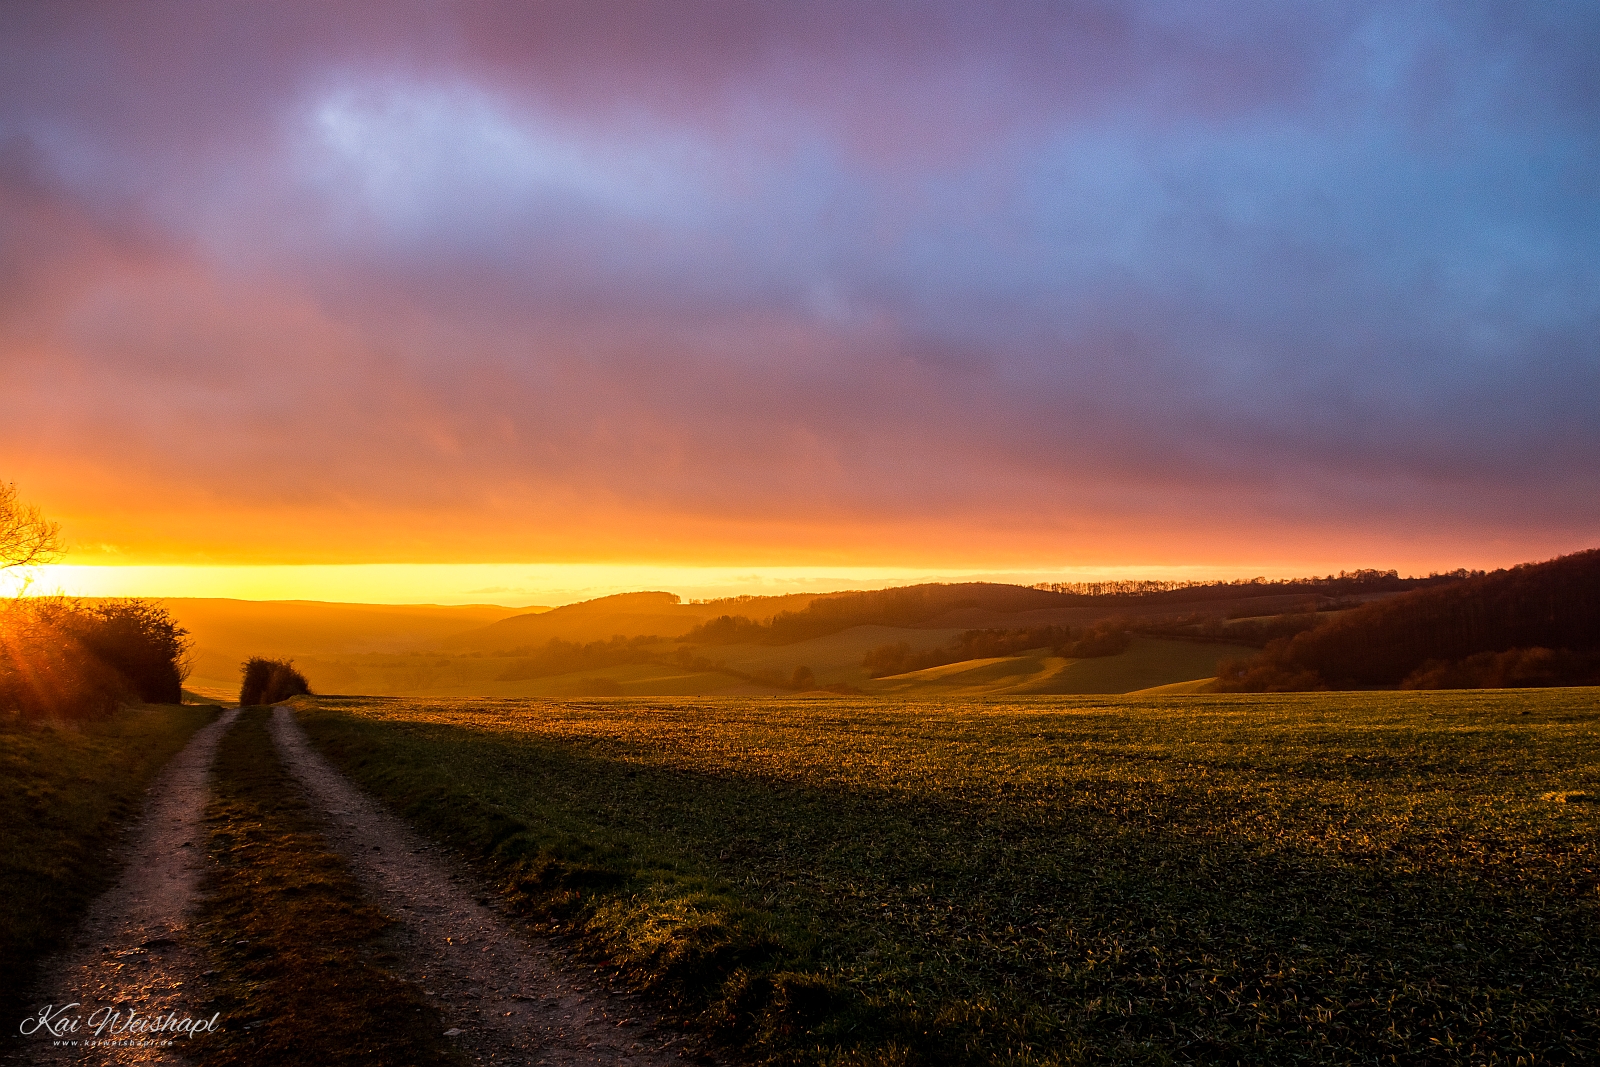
(626, 614)
(986, 605)
(1148, 663)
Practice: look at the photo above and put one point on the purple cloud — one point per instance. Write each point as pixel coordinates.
(1091, 266)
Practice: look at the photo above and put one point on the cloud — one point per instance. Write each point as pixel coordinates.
(749, 281)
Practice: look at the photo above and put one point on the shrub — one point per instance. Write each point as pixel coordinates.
(1517, 668)
(1108, 638)
(268, 681)
(77, 659)
(143, 643)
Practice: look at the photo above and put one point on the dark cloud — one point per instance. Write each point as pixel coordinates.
(1260, 271)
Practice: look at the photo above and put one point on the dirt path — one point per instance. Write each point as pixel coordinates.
(510, 998)
(133, 952)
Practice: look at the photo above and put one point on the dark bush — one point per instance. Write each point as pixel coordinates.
(142, 642)
(1109, 638)
(67, 658)
(268, 681)
(1514, 669)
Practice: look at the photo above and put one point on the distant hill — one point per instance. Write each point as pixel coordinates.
(486, 649)
(987, 605)
(1536, 624)
(627, 614)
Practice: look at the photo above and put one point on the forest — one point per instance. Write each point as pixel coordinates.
(935, 605)
(1534, 624)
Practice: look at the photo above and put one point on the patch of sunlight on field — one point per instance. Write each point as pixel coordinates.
(1198, 685)
(975, 675)
(1148, 663)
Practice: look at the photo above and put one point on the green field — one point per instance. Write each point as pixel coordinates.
(1328, 878)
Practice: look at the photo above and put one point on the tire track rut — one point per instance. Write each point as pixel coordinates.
(134, 950)
(509, 998)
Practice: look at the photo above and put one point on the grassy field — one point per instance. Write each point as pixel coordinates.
(1321, 878)
(64, 793)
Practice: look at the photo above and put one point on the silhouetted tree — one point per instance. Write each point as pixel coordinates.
(26, 537)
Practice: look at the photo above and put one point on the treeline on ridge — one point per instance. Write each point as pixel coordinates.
(924, 605)
(1107, 638)
(1535, 624)
(909, 606)
(64, 657)
(1345, 583)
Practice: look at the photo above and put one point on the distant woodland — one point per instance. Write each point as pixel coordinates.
(1536, 624)
(1178, 604)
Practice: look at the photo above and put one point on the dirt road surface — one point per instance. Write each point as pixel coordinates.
(508, 998)
(133, 955)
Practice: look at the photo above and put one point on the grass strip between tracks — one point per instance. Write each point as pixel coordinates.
(65, 793)
(305, 973)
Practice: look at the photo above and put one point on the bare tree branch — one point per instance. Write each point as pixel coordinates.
(27, 538)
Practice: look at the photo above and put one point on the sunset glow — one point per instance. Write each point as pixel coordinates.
(525, 303)
(524, 584)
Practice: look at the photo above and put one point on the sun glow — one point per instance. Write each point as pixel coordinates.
(518, 585)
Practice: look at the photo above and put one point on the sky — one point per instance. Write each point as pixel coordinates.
(378, 296)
